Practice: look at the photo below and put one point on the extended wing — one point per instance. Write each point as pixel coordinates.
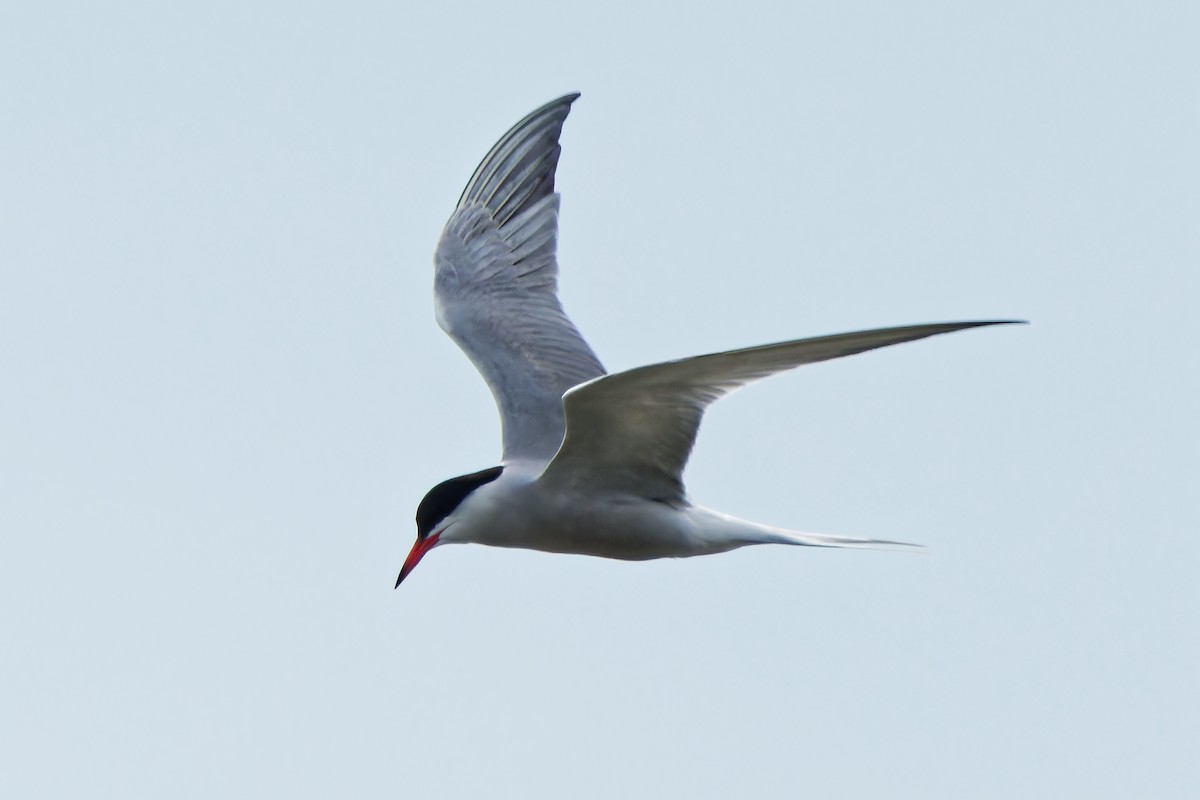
(496, 280)
(631, 432)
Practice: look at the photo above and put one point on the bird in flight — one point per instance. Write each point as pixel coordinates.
(592, 462)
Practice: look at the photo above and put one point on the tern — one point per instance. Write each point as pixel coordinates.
(592, 462)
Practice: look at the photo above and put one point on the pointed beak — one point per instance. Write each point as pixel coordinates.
(415, 555)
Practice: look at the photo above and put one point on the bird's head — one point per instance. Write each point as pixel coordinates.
(437, 511)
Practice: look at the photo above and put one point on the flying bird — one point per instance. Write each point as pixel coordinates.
(592, 462)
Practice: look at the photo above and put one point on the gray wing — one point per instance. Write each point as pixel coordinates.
(632, 431)
(496, 280)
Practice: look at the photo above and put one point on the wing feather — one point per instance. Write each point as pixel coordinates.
(632, 432)
(496, 285)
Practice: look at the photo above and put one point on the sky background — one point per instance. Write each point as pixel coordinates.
(224, 394)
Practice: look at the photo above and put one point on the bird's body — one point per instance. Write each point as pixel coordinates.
(592, 462)
(518, 510)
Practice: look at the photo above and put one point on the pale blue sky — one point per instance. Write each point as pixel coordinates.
(225, 394)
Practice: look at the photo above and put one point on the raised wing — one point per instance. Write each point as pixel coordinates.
(496, 280)
(632, 432)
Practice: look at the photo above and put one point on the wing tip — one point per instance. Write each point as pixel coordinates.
(983, 322)
(564, 102)
(498, 166)
(972, 323)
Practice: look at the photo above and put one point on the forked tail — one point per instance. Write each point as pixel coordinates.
(724, 532)
(780, 536)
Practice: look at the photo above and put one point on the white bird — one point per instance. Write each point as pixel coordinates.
(592, 462)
